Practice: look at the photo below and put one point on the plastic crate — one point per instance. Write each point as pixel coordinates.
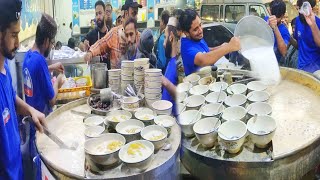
(77, 92)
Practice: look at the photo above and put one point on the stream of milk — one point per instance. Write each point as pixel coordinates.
(263, 61)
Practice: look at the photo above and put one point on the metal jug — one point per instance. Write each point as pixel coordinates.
(99, 75)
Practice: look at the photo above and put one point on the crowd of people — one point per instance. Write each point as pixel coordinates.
(302, 49)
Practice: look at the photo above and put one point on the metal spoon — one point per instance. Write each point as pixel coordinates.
(255, 118)
(53, 137)
(195, 117)
(219, 94)
(230, 138)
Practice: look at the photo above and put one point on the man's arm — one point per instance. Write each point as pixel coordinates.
(169, 86)
(56, 67)
(315, 33)
(84, 46)
(217, 47)
(282, 47)
(311, 20)
(206, 59)
(59, 82)
(101, 47)
(26, 110)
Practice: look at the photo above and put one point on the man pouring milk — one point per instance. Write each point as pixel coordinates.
(196, 53)
(194, 50)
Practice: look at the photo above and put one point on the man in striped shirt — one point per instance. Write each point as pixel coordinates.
(114, 42)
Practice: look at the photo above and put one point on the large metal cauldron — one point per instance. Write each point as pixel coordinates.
(296, 144)
(69, 127)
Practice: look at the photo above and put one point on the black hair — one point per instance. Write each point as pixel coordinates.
(131, 20)
(100, 3)
(46, 29)
(71, 43)
(108, 4)
(278, 8)
(300, 2)
(10, 11)
(58, 44)
(165, 16)
(174, 30)
(177, 13)
(186, 18)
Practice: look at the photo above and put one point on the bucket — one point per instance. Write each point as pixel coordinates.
(254, 32)
(257, 45)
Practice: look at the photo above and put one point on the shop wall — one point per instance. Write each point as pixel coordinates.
(30, 16)
(63, 17)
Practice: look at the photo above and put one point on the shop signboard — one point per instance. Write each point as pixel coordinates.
(75, 17)
(150, 9)
(87, 4)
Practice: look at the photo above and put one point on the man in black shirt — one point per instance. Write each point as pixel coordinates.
(98, 32)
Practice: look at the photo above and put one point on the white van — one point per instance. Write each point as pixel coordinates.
(229, 12)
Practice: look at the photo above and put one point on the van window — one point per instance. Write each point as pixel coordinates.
(233, 13)
(257, 10)
(216, 35)
(210, 12)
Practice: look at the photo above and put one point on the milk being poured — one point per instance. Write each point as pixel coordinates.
(263, 61)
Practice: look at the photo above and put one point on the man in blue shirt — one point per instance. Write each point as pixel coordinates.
(159, 49)
(171, 51)
(307, 35)
(281, 32)
(194, 50)
(39, 91)
(10, 155)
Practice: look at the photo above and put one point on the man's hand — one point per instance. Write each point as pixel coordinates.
(86, 45)
(57, 67)
(38, 119)
(60, 80)
(273, 22)
(311, 19)
(88, 56)
(234, 44)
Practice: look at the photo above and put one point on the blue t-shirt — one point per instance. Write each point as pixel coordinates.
(189, 50)
(172, 76)
(309, 52)
(285, 36)
(161, 55)
(10, 154)
(37, 82)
